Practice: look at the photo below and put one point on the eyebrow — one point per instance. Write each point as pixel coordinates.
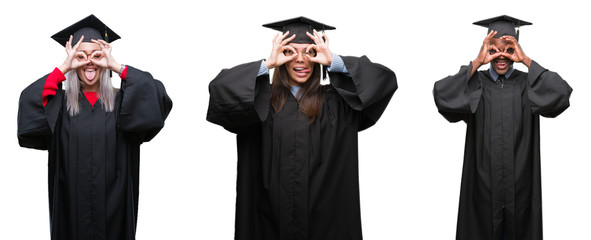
(302, 49)
(84, 51)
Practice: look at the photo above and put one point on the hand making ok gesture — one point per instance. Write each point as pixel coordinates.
(74, 59)
(105, 60)
(323, 54)
(517, 54)
(487, 53)
(277, 58)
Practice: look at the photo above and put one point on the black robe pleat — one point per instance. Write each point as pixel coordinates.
(501, 182)
(94, 155)
(298, 180)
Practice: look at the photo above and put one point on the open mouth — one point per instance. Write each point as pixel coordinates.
(301, 72)
(90, 73)
(502, 64)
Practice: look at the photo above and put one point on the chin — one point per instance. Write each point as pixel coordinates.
(297, 80)
(90, 83)
(504, 68)
(502, 71)
(299, 73)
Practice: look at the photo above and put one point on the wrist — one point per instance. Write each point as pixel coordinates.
(269, 65)
(526, 61)
(122, 68)
(116, 67)
(476, 63)
(64, 68)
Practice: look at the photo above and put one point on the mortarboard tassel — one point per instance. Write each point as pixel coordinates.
(107, 40)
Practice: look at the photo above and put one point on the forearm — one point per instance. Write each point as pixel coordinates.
(475, 65)
(548, 93)
(144, 102)
(338, 65)
(238, 96)
(365, 84)
(527, 62)
(459, 93)
(50, 88)
(123, 73)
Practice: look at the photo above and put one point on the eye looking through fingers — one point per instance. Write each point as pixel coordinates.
(96, 56)
(312, 53)
(289, 53)
(83, 57)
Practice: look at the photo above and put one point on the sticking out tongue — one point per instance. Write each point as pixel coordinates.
(90, 74)
(302, 70)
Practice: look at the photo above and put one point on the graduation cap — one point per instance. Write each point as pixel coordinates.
(91, 27)
(299, 26)
(504, 25)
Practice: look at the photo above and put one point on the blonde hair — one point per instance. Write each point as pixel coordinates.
(105, 92)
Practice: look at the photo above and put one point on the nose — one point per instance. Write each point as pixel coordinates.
(300, 58)
(501, 57)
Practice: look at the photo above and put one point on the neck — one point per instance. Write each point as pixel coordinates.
(90, 88)
(495, 74)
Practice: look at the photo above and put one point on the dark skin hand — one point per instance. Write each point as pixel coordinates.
(483, 56)
(517, 55)
(488, 52)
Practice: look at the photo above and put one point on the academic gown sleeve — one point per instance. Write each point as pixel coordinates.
(368, 90)
(144, 104)
(37, 123)
(548, 93)
(458, 96)
(237, 97)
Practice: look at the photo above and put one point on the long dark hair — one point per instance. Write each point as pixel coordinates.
(309, 96)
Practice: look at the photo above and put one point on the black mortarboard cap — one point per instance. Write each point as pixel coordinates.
(299, 26)
(504, 25)
(91, 27)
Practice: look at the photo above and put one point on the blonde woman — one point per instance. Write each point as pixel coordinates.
(93, 134)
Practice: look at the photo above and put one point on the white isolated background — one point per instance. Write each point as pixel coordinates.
(410, 161)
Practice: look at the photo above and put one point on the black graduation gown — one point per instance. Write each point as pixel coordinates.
(501, 183)
(298, 180)
(94, 156)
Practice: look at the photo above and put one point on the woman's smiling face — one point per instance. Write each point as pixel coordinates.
(88, 74)
(301, 68)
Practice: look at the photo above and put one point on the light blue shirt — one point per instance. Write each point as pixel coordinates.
(263, 69)
(338, 65)
(294, 90)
